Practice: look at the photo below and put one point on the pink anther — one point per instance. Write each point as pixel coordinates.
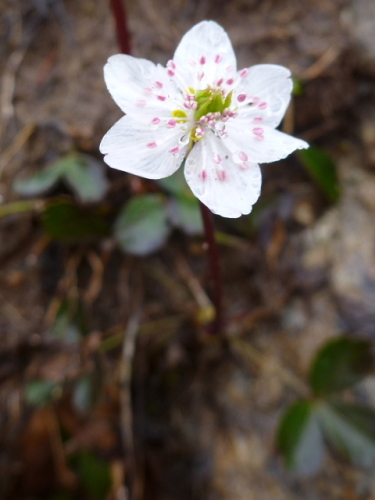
(222, 175)
(217, 158)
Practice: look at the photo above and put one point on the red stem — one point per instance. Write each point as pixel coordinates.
(122, 32)
(213, 258)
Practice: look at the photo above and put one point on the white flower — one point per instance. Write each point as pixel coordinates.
(201, 107)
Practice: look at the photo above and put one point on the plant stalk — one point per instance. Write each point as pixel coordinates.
(122, 31)
(213, 258)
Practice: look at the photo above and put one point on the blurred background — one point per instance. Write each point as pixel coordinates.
(111, 387)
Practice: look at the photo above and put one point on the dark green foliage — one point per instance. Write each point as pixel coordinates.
(341, 363)
(322, 169)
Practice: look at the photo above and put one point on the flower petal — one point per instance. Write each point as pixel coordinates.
(140, 88)
(140, 150)
(204, 55)
(227, 188)
(261, 144)
(269, 86)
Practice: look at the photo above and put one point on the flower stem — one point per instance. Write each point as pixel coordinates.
(213, 258)
(122, 32)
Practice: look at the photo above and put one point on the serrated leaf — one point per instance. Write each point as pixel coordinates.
(39, 183)
(83, 173)
(69, 223)
(86, 177)
(141, 227)
(40, 392)
(339, 364)
(350, 429)
(94, 473)
(323, 170)
(185, 214)
(300, 438)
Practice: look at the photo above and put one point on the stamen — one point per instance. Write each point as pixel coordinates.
(202, 60)
(200, 75)
(147, 91)
(241, 97)
(199, 132)
(171, 64)
(220, 82)
(218, 58)
(141, 103)
(203, 175)
(155, 121)
(174, 150)
(222, 175)
(243, 156)
(171, 123)
(161, 97)
(152, 145)
(258, 131)
(159, 85)
(230, 81)
(170, 72)
(230, 69)
(217, 158)
(262, 105)
(257, 119)
(244, 166)
(244, 73)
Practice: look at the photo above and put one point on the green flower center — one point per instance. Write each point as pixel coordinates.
(211, 100)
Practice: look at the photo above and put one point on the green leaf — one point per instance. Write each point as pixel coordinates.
(141, 227)
(40, 182)
(86, 177)
(339, 364)
(300, 439)
(176, 184)
(86, 392)
(69, 223)
(40, 392)
(83, 173)
(297, 87)
(185, 214)
(94, 473)
(69, 324)
(60, 496)
(323, 170)
(350, 429)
